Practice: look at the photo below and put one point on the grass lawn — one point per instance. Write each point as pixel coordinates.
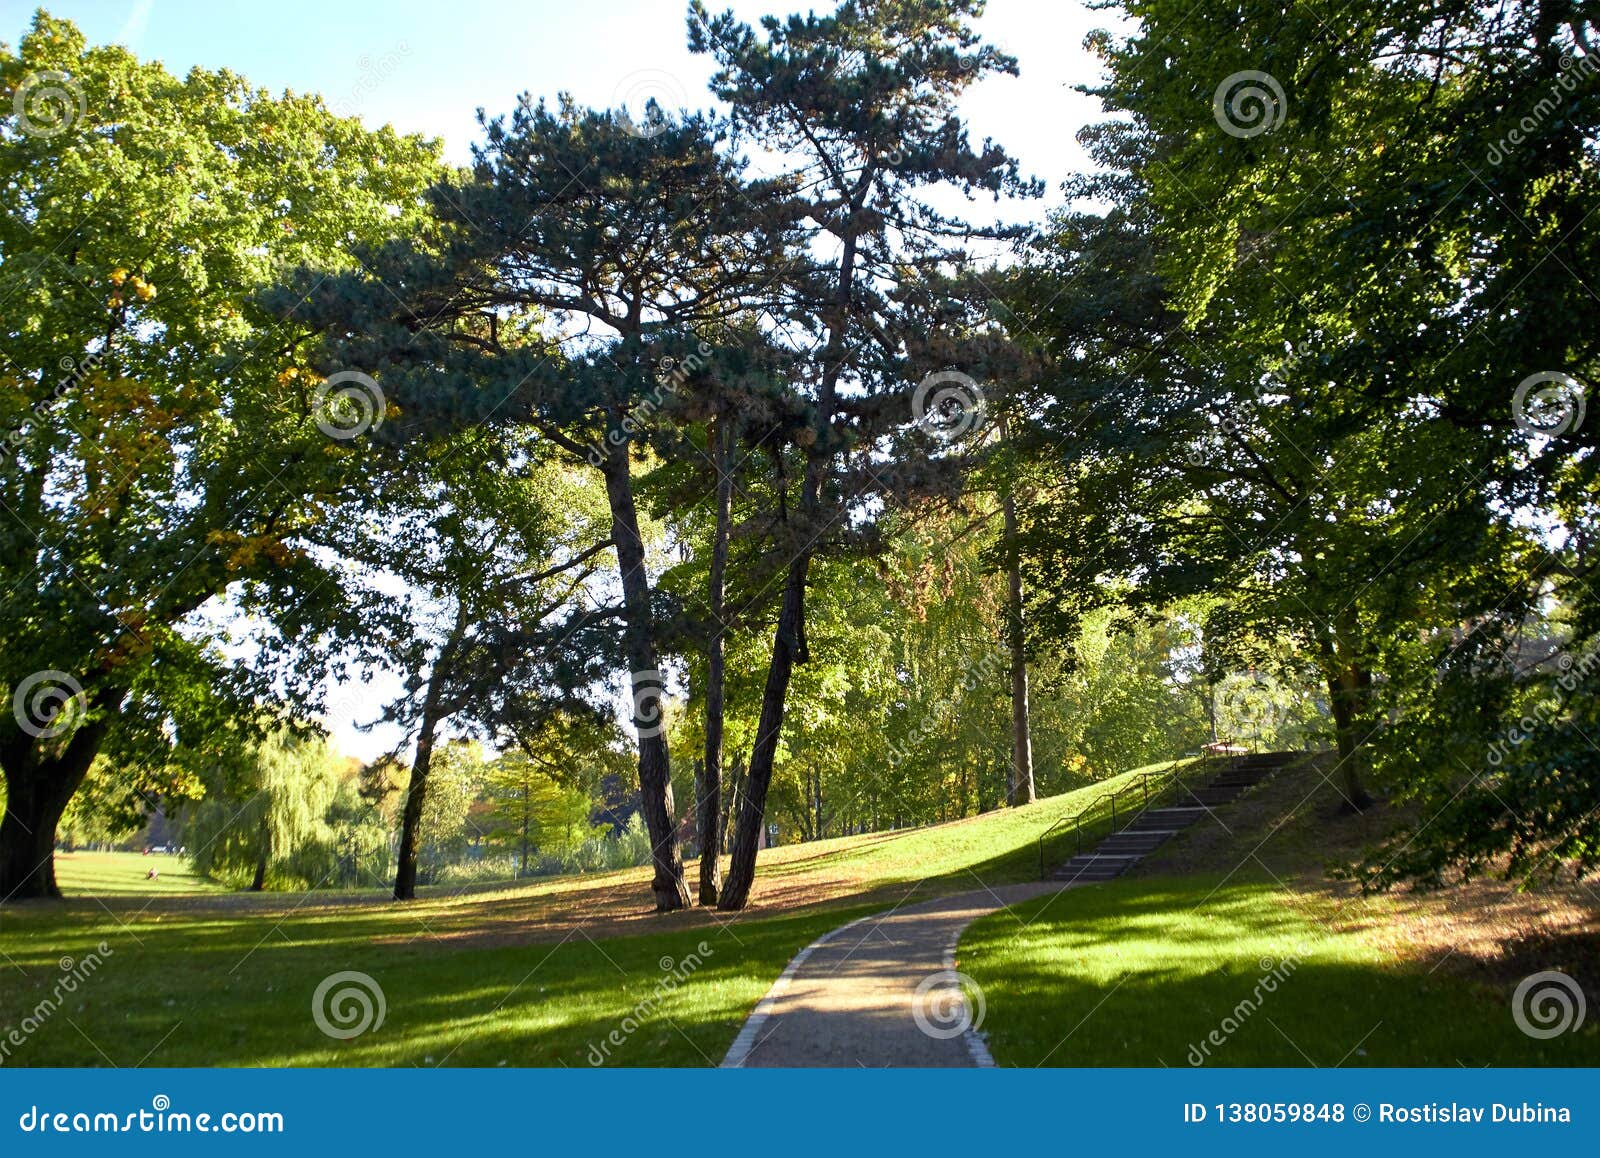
(1233, 928)
(1141, 972)
(110, 874)
(526, 974)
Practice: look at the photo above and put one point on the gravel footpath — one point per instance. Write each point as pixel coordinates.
(879, 991)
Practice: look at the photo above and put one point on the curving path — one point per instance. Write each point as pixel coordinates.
(878, 991)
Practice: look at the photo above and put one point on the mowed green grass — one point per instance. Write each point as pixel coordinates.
(1142, 972)
(236, 992)
(109, 874)
(515, 975)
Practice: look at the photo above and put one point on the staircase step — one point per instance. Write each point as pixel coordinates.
(1085, 876)
(1152, 827)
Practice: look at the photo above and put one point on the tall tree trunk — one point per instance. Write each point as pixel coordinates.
(789, 641)
(1019, 788)
(816, 796)
(38, 790)
(405, 877)
(1346, 697)
(258, 883)
(710, 788)
(34, 804)
(787, 645)
(527, 805)
(732, 793)
(645, 677)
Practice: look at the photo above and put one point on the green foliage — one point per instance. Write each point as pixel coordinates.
(162, 456)
(286, 813)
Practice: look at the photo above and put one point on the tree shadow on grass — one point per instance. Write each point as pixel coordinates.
(1192, 972)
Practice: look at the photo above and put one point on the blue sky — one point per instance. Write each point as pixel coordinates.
(427, 67)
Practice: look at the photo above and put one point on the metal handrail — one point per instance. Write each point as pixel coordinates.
(1173, 776)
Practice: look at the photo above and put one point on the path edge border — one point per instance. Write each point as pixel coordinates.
(745, 1043)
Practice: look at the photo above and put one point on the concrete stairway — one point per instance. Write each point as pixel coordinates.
(1151, 828)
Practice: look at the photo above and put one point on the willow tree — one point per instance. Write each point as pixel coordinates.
(864, 99)
(154, 457)
(560, 285)
(264, 816)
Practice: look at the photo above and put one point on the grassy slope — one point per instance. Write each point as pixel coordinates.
(526, 975)
(1141, 971)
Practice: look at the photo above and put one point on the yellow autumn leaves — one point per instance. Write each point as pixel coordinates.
(135, 284)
